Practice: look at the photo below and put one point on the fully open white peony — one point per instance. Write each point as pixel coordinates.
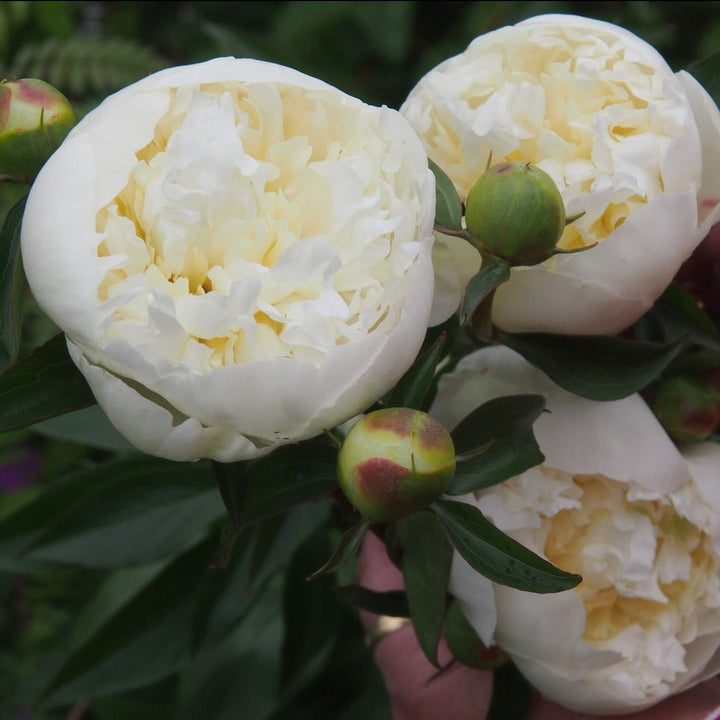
(239, 255)
(616, 502)
(629, 143)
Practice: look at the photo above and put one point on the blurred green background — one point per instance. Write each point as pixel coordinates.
(373, 50)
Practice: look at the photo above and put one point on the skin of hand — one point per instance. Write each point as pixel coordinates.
(462, 693)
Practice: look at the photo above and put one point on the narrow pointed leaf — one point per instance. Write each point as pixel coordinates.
(505, 458)
(413, 387)
(88, 426)
(594, 366)
(346, 550)
(448, 208)
(132, 512)
(41, 386)
(496, 418)
(427, 556)
(289, 476)
(227, 594)
(497, 556)
(148, 639)
(480, 286)
(311, 613)
(12, 280)
(496, 442)
(236, 678)
(390, 602)
(678, 314)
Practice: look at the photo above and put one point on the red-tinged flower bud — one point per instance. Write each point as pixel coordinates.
(515, 212)
(34, 120)
(688, 407)
(394, 462)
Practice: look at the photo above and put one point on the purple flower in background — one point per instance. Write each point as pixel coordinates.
(20, 472)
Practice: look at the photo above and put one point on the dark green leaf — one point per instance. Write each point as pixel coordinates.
(146, 640)
(311, 612)
(495, 419)
(427, 556)
(707, 73)
(464, 643)
(595, 367)
(496, 442)
(22, 522)
(42, 385)
(288, 477)
(346, 550)
(511, 695)
(115, 592)
(490, 277)
(12, 280)
(228, 593)
(156, 702)
(679, 315)
(132, 512)
(229, 478)
(505, 458)
(413, 387)
(89, 426)
(237, 678)
(448, 208)
(497, 556)
(392, 602)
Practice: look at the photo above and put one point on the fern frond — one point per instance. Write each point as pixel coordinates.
(85, 66)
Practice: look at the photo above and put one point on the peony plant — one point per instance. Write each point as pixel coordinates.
(246, 264)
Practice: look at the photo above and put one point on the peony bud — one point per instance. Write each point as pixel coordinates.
(688, 407)
(394, 462)
(515, 212)
(34, 120)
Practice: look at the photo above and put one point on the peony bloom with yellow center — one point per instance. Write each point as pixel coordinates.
(629, 143)
(615, 501)
(239, 255)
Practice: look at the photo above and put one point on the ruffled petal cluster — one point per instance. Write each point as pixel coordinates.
(615, 501)
(630, 144)
(239, 255)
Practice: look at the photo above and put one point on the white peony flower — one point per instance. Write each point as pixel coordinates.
(616, 502)
(628, 142)
(239, 255)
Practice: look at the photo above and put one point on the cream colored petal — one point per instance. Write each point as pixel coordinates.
(59, 243)
(156, 430)
(603, 290)
(620, 439)
(707, 117)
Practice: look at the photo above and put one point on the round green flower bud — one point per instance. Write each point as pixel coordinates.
(515, 212)
(34, 120)
(394, 462)
(688, 407)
